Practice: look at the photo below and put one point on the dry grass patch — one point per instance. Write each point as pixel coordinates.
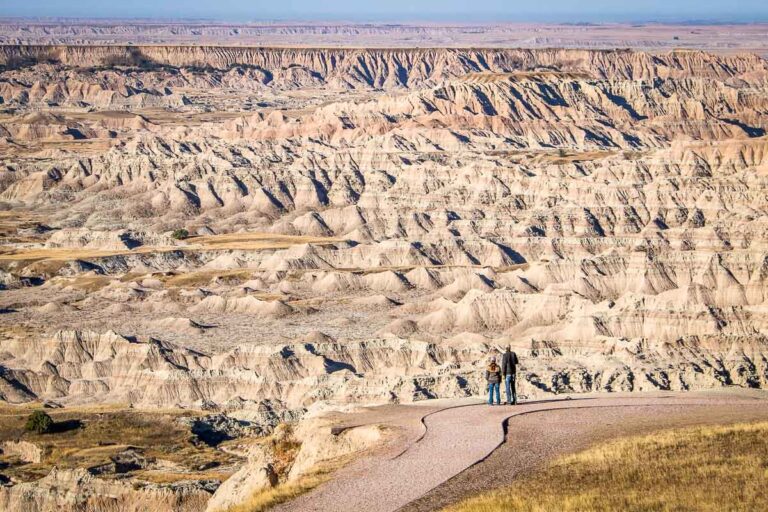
(71, 254)
(225, 242)
(18, 218)
(162, 477)
(89, 436)
(90, 284)
(268, 498)
(564, 157)
(284, 448)
(8, 332)
(255, 241)
(37, 267)
(703, 469)
(204, 277)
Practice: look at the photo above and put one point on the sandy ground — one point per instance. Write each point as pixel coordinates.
(466, 449)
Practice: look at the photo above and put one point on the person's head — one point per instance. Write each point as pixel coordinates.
(509, 349)
(492, 360)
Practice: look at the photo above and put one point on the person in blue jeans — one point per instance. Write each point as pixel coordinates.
(493, 376)
(509, 371)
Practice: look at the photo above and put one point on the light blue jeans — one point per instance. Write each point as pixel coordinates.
(509, 382)
(491, 387)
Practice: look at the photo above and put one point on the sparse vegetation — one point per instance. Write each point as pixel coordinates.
(180, 234)
(705, 469)
(204, 277)
(42, 56)
(89, 436)
(132, 58)
(268, 498)
(284, 448)
(234, 241)
(39, 422)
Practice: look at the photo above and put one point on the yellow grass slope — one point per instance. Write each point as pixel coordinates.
(702, 469)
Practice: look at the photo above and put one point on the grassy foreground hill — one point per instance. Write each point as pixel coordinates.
(703, 469)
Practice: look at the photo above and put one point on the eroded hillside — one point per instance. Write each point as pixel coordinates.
(368, 225)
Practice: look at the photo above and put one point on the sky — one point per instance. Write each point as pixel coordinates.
(571, 11)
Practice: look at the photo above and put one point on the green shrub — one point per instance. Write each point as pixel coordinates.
(39, 422)
(180, 234)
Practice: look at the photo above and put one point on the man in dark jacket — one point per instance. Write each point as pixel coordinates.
(509, 371)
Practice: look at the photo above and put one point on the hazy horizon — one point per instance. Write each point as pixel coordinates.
(556, 11)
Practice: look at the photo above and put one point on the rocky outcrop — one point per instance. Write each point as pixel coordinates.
(256, 474)
(88, 367)
(316, 446)
(382, 68)
(321, 444)
(217, 428)
(24, 450)
(77, 490)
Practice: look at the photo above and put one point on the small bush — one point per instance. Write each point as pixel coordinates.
(39, 422)
(180, 234)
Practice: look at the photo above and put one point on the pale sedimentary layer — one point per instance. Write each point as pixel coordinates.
(88, 367)
(655, 36)
(76, 489)
(602, 212)
(388, 67)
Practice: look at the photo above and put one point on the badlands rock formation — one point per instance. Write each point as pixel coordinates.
(369, 225)
(88, 493)
(654, 36)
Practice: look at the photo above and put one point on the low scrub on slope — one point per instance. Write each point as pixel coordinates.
(88, 437)
(703, 469)
(267, 498)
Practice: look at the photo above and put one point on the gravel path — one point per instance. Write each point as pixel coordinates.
(463, 449)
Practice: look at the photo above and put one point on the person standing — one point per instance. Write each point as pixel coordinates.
(493, 376)
(509, 370)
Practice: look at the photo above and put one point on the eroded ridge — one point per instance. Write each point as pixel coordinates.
(368, 224)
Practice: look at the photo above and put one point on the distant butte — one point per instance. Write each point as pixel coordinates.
(721, 38)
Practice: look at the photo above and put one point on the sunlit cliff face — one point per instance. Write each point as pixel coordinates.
(367, 225)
